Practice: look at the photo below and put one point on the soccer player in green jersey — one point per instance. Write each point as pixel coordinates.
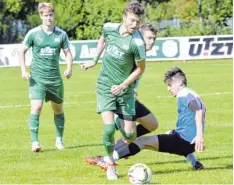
(123, 63)
(45, 81)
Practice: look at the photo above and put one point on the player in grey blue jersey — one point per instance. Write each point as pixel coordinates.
(187, 137)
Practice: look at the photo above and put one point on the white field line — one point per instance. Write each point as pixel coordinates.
(201, 95)
(89, 102)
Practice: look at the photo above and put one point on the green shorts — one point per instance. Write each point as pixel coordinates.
(123, 104)
(48, 92)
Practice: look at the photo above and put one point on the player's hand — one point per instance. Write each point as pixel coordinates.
(25, 75)
(199, 143)
(86, 66)
(117, 89)
(68, 73)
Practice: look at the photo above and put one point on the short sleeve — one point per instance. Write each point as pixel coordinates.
(139, 53)
(138, 47)
(65, 43)
(189, 98)
(108, 28)
(103, 31)
(28, 40)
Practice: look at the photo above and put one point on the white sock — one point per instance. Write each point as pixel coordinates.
(115, 155)
(108, 159)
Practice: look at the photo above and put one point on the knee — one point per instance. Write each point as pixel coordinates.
(130, 137)
(58, 110)
(154, 123)
(150, 122)
(154, 126)
(36, 109)
(109, 130)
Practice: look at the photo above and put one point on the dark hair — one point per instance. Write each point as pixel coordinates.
(148, 27)
(134, 8)
(177, 73)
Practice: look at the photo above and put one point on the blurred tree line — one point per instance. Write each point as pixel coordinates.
(83, 19)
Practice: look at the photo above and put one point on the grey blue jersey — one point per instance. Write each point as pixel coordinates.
(186, 125)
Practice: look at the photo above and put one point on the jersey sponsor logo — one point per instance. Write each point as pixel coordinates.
(114, 51)
(39, 38)
(125, 47)
(47, 51)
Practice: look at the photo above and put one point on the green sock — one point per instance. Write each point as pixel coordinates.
(59, 121)
(117, 122)
(34, 126)
(108, 138)
(118, 125)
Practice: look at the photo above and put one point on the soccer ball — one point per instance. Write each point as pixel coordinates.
(139, 174)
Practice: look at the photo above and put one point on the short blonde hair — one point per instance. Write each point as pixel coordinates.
(47, 6)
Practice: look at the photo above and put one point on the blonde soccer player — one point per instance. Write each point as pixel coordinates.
(45, 80)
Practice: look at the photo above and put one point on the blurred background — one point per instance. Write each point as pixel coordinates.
(83, 19)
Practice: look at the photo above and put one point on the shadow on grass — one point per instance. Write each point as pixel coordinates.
(73, 147)
(86, 145)
(228, 167)
(184, 160)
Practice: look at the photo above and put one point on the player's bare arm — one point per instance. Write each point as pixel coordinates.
(140, 67)
(68, 71)
(199, 140)
(25, 74)
(100, 48)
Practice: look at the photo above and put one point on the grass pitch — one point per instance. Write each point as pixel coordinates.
(83, 132)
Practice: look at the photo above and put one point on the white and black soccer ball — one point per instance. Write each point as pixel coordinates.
(139, 173)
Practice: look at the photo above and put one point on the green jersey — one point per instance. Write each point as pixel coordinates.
(46, 51)
(121, 53)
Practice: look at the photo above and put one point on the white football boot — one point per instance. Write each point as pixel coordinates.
(111, 172)
(36, 146)
(59, 143)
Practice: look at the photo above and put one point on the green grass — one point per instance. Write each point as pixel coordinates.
(83, 132)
